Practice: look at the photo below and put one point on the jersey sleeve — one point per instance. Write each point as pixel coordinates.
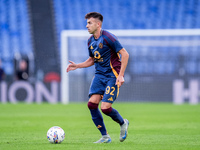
(112, 41)
(90, 52)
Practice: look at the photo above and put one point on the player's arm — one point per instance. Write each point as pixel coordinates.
(73, 66)
(124, 62)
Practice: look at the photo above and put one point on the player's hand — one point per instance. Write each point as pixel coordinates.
(71, 66)
(119, 81)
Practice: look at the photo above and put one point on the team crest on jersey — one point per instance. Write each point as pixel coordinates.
(100, 45)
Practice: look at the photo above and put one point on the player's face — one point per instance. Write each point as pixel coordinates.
(92, 25)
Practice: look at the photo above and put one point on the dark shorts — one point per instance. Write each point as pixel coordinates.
(105, 87)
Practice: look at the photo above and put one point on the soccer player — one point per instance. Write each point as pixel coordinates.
(104, 49)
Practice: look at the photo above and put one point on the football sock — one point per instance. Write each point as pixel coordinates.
(97, 118)
(114, 114)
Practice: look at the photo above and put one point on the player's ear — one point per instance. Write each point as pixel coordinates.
(99, 23)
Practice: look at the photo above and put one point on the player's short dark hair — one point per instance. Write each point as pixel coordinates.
(94, 15)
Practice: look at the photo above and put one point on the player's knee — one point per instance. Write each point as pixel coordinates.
(92, 105)
(106, 111)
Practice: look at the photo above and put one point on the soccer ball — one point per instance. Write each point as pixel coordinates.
(55, 135)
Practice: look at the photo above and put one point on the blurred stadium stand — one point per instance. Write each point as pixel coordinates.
(15, 34)
(15, 30)
(130, 14)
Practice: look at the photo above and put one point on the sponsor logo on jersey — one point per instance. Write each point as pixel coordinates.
(97, 57)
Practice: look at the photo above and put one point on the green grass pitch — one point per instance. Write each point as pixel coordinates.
(153, 126)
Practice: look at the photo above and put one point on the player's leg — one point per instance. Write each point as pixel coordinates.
(107, 109)
(97, 87)
(96, 114)
(114, 114)
(109, 97)
(97, 118)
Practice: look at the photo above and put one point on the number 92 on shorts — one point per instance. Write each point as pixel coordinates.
(105, 87)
